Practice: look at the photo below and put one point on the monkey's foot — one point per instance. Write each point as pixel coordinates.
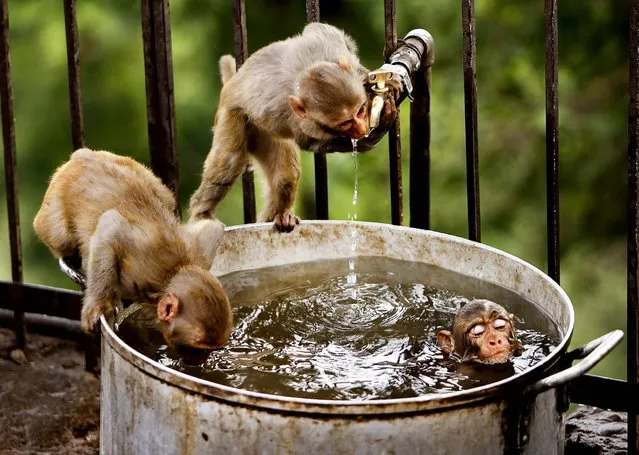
(286, 222)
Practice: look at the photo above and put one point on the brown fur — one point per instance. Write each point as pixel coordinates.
(121, 220)
(300, 92)
(494, 345)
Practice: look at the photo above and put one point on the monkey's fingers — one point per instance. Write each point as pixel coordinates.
(286, 222)
(90, 319)
(395, 90)
(389, 115)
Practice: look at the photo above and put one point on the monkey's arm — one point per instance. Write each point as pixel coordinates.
(103, 269)
(344, 144)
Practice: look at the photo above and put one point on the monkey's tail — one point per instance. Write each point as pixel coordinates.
(227, 67)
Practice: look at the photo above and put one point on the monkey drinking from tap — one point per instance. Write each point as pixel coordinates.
(305, 92)
(482, 332)
(120, 219)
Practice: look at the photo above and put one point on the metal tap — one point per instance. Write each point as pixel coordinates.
(417, 49)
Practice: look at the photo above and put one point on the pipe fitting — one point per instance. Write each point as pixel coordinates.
(417, 49)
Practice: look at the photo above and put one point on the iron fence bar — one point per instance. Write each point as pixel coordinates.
(156, 34)
(470, 113)
(312, 10)
(241, 54)
(73, 62)
(633, 229)
(319, 158)
(419, 193)
(394, 133)
(552, 138)
(10, 164)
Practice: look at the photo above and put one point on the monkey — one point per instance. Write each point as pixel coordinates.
(304, 92)
(119, 218)
(482, 332)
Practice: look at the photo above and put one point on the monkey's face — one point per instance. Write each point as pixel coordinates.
(489, 339)
(203, 319)
(482, 332)
(331, 102)
(353, 122)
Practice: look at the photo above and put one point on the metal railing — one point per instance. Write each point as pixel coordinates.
(36, 300)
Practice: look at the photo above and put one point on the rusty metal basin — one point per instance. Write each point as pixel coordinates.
(147, 408)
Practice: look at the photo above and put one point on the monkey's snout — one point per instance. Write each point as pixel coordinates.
(359, 130)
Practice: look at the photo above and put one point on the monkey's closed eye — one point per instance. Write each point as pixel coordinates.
(499, 323)
(477, 329)
(345, 125)
(362, 111)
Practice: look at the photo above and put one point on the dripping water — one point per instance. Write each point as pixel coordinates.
(352, 277)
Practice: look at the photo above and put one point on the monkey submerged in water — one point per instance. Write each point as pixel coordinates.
(482, 332)
(120, 219)
(305, 92)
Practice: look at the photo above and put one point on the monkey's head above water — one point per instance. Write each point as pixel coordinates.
(483, 332)
(194, 310)
(330, 100)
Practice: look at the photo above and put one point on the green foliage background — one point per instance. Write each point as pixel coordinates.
(593, 84)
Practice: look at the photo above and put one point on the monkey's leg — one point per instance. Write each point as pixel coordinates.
(102, 275)
(280, 159)
(225, 162)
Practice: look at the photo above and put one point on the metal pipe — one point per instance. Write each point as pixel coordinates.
(11, 178)
(417, 58)
(34, 298)
(241, 54)
(156, 34)
(611, 393)
(552, 138)
(410, 65)
(470, 112)
(394, 132)
(46, 325)
(319, 158)
(73, 62)
(420, 151)
(633, 230)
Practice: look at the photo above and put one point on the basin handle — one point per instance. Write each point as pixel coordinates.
(591, 353)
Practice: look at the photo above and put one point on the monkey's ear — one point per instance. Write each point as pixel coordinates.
(168, 307)
(344, 63)
(298, 105)
(445, 341)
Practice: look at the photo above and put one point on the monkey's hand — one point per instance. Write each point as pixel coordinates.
(91, 312)
(387, 119)
(286, 222)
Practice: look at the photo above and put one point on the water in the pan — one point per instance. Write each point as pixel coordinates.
(300, 331)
